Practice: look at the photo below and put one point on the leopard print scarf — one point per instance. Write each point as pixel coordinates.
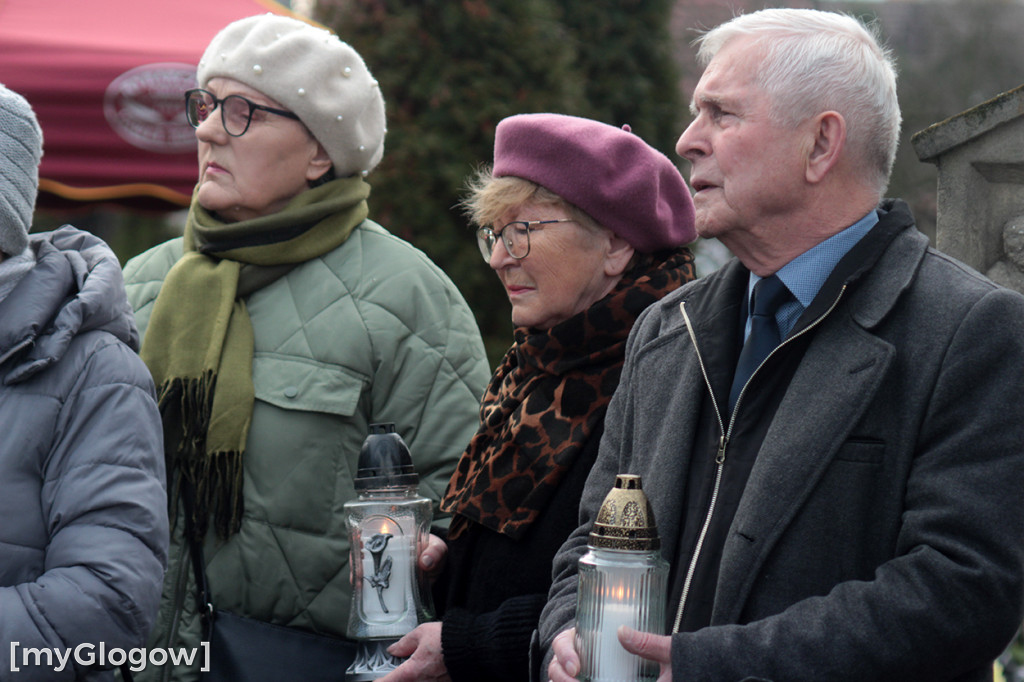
(545, 399)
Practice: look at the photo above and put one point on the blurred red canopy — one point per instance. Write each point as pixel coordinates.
(106, 79)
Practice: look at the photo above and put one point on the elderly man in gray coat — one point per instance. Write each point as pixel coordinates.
(836, 467)
(83, 512)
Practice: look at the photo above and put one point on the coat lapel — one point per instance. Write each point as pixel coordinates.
(835, 383)
(840, 376)
(673, 381)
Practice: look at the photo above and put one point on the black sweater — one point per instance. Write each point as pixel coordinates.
(494, 587)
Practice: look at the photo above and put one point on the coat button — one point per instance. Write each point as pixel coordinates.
(291, 392)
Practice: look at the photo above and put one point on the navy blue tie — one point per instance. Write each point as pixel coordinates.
(769, 293)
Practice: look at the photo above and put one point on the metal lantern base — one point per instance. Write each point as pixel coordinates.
(372, 661)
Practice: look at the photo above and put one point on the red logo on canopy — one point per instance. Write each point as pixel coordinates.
(146, 107)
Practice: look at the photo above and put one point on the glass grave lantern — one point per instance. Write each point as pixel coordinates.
(622, 581)
(388, 525)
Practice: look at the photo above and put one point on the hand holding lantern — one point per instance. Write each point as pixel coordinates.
(622, 581)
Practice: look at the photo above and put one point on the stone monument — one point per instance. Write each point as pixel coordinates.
(980, 203)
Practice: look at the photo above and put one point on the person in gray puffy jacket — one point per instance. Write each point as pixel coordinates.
(83, 541)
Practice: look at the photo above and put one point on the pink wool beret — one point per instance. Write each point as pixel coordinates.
(615, 177)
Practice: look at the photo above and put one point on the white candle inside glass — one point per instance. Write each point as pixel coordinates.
(395, 593)
(614, 663)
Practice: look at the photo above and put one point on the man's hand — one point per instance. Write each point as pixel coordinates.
(565, 664)
(422, 646)
(657, 648)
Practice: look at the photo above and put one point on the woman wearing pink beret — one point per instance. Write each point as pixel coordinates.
(585, 226)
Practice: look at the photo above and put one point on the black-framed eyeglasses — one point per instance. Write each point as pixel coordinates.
(235, 110)
(515, 235)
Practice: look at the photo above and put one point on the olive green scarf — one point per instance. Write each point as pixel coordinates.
(199, 342)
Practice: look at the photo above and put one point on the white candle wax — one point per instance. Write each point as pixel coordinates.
(614, 663)
(386, 562)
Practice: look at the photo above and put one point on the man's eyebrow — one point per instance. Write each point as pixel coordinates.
(704, 100)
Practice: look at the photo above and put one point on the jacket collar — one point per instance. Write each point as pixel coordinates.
(75, 286)
(874, 297)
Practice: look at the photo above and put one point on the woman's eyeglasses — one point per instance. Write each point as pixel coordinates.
(235, 110)
(515, 236)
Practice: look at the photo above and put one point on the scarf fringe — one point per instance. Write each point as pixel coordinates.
(214, 478)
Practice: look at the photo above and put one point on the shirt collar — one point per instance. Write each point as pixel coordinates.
(805, 274)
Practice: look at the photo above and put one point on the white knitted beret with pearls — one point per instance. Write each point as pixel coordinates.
(311, 72)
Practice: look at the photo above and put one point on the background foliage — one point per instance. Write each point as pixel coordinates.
(451, 69)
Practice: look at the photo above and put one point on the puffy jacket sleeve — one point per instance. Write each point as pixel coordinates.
(105, 510)
(430, 365)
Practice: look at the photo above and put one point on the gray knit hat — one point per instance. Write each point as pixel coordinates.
(312, 73)
(21, 148)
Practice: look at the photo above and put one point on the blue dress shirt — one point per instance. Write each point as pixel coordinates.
(805, 274)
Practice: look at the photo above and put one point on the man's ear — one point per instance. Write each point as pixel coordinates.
(319, 164)
(620, 252)
(829, 130)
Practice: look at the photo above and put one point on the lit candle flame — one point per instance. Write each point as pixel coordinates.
(615, 592)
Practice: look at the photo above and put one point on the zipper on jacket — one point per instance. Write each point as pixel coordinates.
(724, 441)
(719, 467)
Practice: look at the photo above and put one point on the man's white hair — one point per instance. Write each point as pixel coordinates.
(815, 61)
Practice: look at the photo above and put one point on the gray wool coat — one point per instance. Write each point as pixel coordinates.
(83, 512)
(880, 535)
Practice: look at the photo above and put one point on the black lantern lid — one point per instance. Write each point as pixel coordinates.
(384, 461)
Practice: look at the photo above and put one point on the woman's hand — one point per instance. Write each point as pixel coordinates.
(433, 557)
(422, 646)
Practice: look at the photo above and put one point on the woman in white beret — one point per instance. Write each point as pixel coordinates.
(281, 326)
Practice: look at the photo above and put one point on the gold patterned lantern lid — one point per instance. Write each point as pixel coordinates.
(626, 519)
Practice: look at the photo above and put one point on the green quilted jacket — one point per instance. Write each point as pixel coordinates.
(371, 332)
